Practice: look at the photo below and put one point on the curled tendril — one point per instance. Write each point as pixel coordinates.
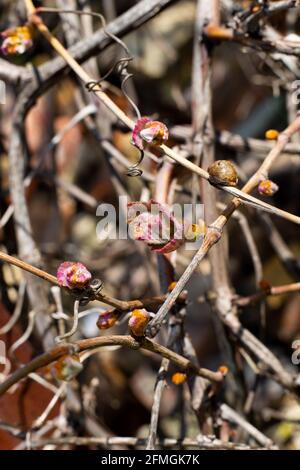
(59, 339)
(120, 66)
(93, 85)
(134, 170)
(126, 76)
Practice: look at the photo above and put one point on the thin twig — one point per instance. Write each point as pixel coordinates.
(159, 388)
(272, 291)
(229, 414)
(92, 343)
(123, 305)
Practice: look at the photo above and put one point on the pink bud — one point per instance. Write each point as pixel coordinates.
(147, 131)
(267, 188)
(73, 275)
(138, 321)
(108, 319)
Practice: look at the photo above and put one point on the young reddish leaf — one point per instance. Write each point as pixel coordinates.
(154, 224)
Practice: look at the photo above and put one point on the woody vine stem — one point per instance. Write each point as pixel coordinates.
(239, 348)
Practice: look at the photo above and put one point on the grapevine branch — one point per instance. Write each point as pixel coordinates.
(122, 305)
(93, 343)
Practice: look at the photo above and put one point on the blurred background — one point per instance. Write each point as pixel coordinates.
(251, 94)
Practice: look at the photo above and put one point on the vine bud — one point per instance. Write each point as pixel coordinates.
(17, 41)
(271, 134)
(73, 275)
(179, 378)
(224, 370)
(267, 188)
(67, 367)
(138, 322)
(108, 319)
(151, 132)
(223, 172)
(172, 286)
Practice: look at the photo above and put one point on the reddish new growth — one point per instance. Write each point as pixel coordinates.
(154, 224)
(149, 132)
(73, 275)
